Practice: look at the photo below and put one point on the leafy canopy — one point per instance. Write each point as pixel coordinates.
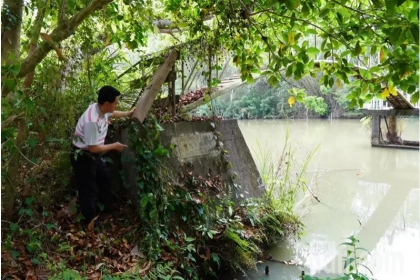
(380, 37)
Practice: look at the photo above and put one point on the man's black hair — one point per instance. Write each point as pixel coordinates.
(107, 94)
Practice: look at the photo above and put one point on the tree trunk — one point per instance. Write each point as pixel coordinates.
(14, 164)
(11, 21)
(13, 172)
(146, 100)
(392, 134)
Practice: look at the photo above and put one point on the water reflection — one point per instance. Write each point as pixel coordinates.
(370, 192)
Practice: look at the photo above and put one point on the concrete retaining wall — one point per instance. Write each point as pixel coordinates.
(207, 148)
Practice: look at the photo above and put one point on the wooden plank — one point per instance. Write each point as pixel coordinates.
(406, 147)
(392, 112)
(146, 100)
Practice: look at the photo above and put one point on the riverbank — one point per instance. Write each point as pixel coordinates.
(370, 192)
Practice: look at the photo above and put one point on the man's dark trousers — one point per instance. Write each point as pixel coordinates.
(93, 181)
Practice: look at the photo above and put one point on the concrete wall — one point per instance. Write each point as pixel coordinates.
(207, 148)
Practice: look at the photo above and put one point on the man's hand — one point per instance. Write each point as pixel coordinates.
(131, 112)
(119, 147)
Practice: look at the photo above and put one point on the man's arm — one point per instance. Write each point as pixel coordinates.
(99, 149)
(120, 114)
(91, 139)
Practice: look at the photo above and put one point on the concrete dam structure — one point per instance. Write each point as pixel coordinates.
(208, 148)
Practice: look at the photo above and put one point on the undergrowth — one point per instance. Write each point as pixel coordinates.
(177, 225)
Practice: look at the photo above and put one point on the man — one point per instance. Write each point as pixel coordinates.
(88, 145)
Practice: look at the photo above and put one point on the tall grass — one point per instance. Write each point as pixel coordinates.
(283, 174)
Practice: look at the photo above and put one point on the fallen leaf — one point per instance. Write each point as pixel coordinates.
(145, 267)
(98, 266)
(92, 224)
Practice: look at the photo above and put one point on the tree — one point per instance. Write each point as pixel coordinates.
(11, 29)
(286, 36)
(316, 104)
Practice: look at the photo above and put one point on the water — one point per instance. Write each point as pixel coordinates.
(372, 193)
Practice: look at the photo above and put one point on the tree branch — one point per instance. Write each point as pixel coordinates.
(10, 120)
(62, 11)
(36, 29)
(64, 30)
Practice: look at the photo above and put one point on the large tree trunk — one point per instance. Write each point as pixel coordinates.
(14, 164)
(11, 21)
(13, 172)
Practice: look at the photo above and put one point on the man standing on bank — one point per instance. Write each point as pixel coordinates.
(89, 168)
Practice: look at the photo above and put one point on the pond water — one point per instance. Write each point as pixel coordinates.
(371, 193)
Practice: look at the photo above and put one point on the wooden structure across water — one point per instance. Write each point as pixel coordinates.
(384, 132)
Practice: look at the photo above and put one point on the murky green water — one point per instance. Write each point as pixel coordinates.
(370, 192)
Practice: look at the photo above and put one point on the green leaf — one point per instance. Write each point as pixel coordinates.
(413, 16)
(300, 97)
(160, 151)
(50, 226)
(373, 50)
(375, 69)
(391, 6)
(290, 4)
(153, 214)
(144, 200)
(35, 261)
(189, 239)
(415, 97)
(272, 81)
(312, 51)
(395, 35)
(15, 254)
(289, 70)
(344, 12)
(357, 49)
(348, 262)
(9, 83)
(29, 200)
(291, 38)
(414, 28)
(310, 31)
(13, 227)
(113, 27)
(15, 68)
(250, 79)
(363, 249)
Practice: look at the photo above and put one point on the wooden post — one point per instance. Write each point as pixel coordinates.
(146, 100)
(182, 73)
(172, 91)
(375, 137)
(217, 66)
(209, 82)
